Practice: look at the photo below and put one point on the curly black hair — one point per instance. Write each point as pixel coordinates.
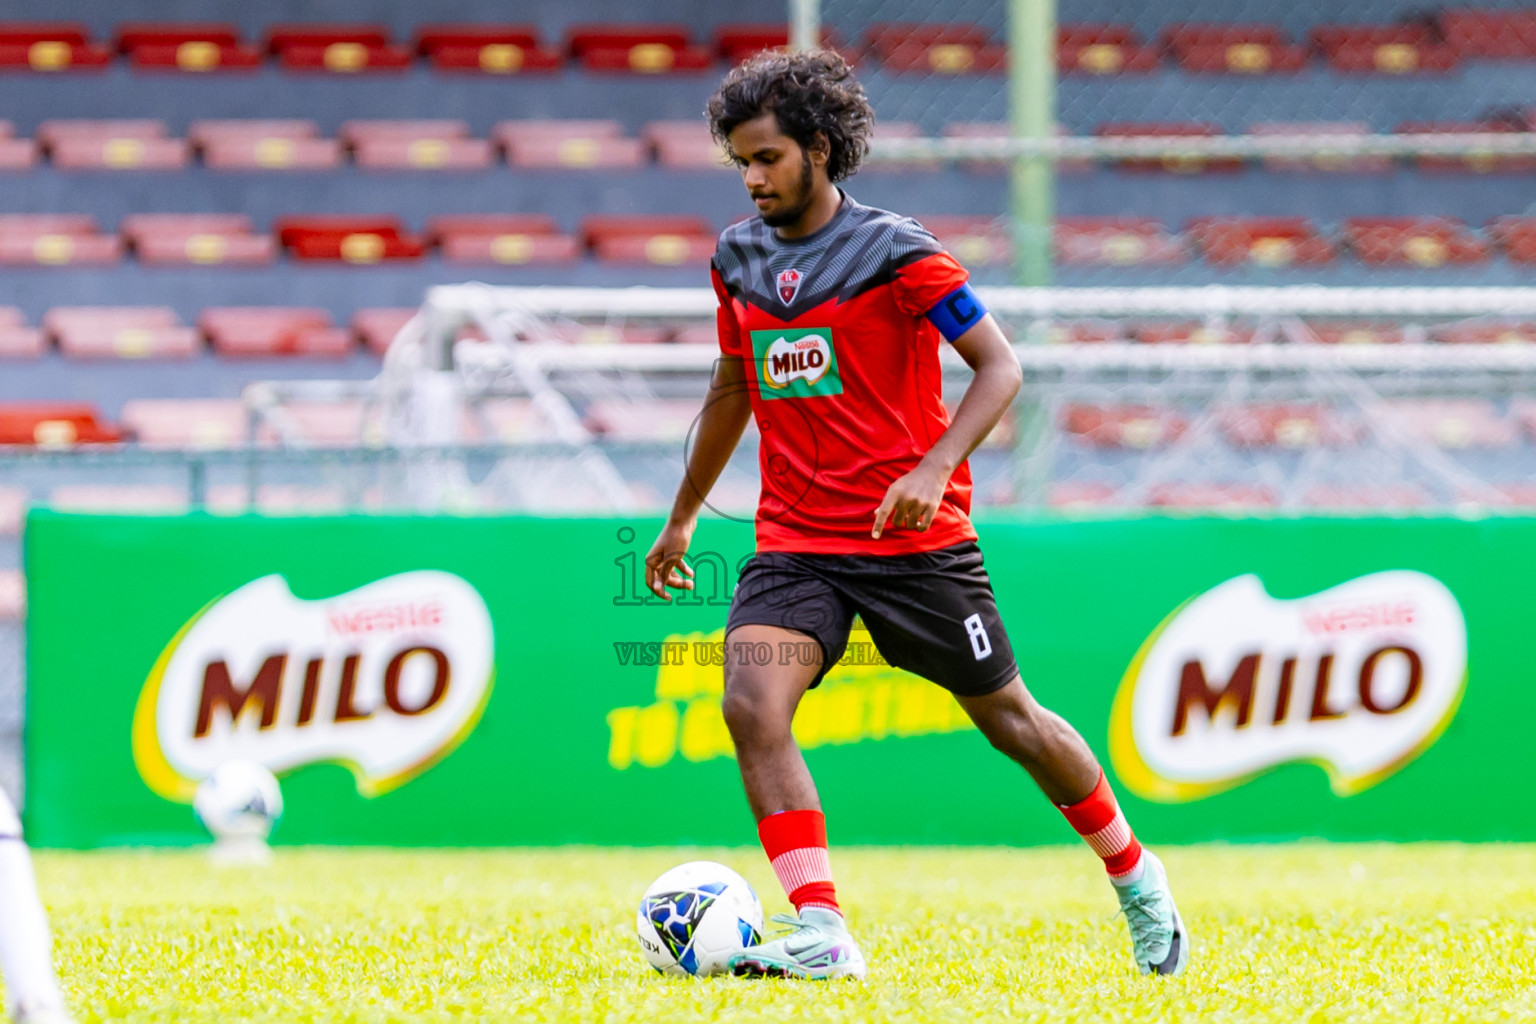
(810, 93)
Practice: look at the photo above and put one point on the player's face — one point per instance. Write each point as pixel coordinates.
(779, 173)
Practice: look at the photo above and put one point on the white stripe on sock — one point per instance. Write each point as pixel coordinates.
(808, 864)
(1112, 838)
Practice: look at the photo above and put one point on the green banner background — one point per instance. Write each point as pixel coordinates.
(107, 593)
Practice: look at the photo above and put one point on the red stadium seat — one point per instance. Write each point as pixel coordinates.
(1085, 332)
(1323, 161)
(1190, 333)
(1490, 35)
(205, 423)
(1116, 241)
(1083, 494)
(1211, 496)
(1366, 496)
(1383, 49)
(737, 42)
(378, 327)
(1475, 162)
(199, 239)
(659, 419)
(1103, 50)
(974, 241)
(128, 332)
(661, 241)
(684, 145)
(1356, 332)
(342, 424)
(17, 340)
(488, 49)
(1169, 130)
(416, 145)
(50, 46)
(1451, 423)
(1413, 241)
(138, 144)
(266, 145)
(513, 239)
(936, 49)
(1286, 425)
(190, 47)
(54, 424)
(1234, 49)
(264, 331)
(1516, 236)
(641, 49)
(348, 239)
(1263, 241)
(340, 49)
(571, 143)
(1485, 333)
(52, 240)
(15, 154)
(1123, 426)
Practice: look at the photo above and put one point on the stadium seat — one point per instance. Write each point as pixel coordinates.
(339, 49)
(1262, 241)
(119, 145)
(659, 419)
(50, 46)
(1123, 426)
(203, 423)
(190, 47)
(570, 143)
(239, 332)
(275, 499)
(1413, 241)
(120, 499)
(697, 334)
(1490, 35)
(13, 595)
(511, 239)
(1516, 236)
(486, 49)
(1323, 161)
(1190, 495)
(53, 240)
(1233, 49)
(659, 240)
(974, 241)
(1384, 49)
(15, 154)
(17, 340)
(1476, 162)
(1285, 425)
(120, 332)
(1103, 50)
(376, 328)
(1191, 332)
(416, 145)
(1169, 130)
(612, 334)
(13, 510)
(1116, 241)
(202, 239)
(1366, 496)
(1357, 332)
(641, 49)
(736, 42)
(318, 424)
(684, 145)
(348, 239)
(935, 49)
(1451, 423)
(1085, 332)
(54, 424)
(264, 145)
(1498, 332)
(1082, 494)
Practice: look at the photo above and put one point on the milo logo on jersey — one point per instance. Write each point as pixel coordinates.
(796, 363)
(1359, 679)
(386, 679)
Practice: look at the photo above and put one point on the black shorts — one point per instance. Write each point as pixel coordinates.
(931, 613)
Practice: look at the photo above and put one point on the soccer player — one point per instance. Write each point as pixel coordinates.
(830, 319)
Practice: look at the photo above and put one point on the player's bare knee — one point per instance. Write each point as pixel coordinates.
(1022, 733)
(751, 712)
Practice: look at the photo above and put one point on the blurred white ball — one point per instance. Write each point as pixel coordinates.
(240, 801)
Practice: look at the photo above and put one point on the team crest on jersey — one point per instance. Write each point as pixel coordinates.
(789, 284)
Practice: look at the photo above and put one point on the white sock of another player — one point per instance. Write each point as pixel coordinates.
(26, 946)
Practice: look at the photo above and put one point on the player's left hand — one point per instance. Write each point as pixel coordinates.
(911, 501)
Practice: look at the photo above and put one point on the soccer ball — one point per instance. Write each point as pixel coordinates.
(695, 916)
(239, 802)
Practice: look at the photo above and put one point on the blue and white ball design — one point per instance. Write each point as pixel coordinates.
(695, 916)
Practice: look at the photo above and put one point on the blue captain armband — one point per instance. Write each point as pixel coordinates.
(957, 312)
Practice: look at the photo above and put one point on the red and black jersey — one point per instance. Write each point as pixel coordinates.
(843, 365)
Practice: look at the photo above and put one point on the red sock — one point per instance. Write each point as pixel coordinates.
(796, 844)
(1101, 824)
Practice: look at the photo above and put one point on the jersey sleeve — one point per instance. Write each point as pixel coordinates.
(726, 327)
(925, 274)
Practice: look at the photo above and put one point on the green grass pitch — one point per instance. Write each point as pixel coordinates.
(1307, 932)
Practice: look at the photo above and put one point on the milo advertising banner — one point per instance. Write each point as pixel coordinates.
(462, 681)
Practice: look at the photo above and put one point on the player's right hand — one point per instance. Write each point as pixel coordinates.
(664, 566)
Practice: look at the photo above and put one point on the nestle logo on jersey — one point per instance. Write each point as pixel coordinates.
(796, 363)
